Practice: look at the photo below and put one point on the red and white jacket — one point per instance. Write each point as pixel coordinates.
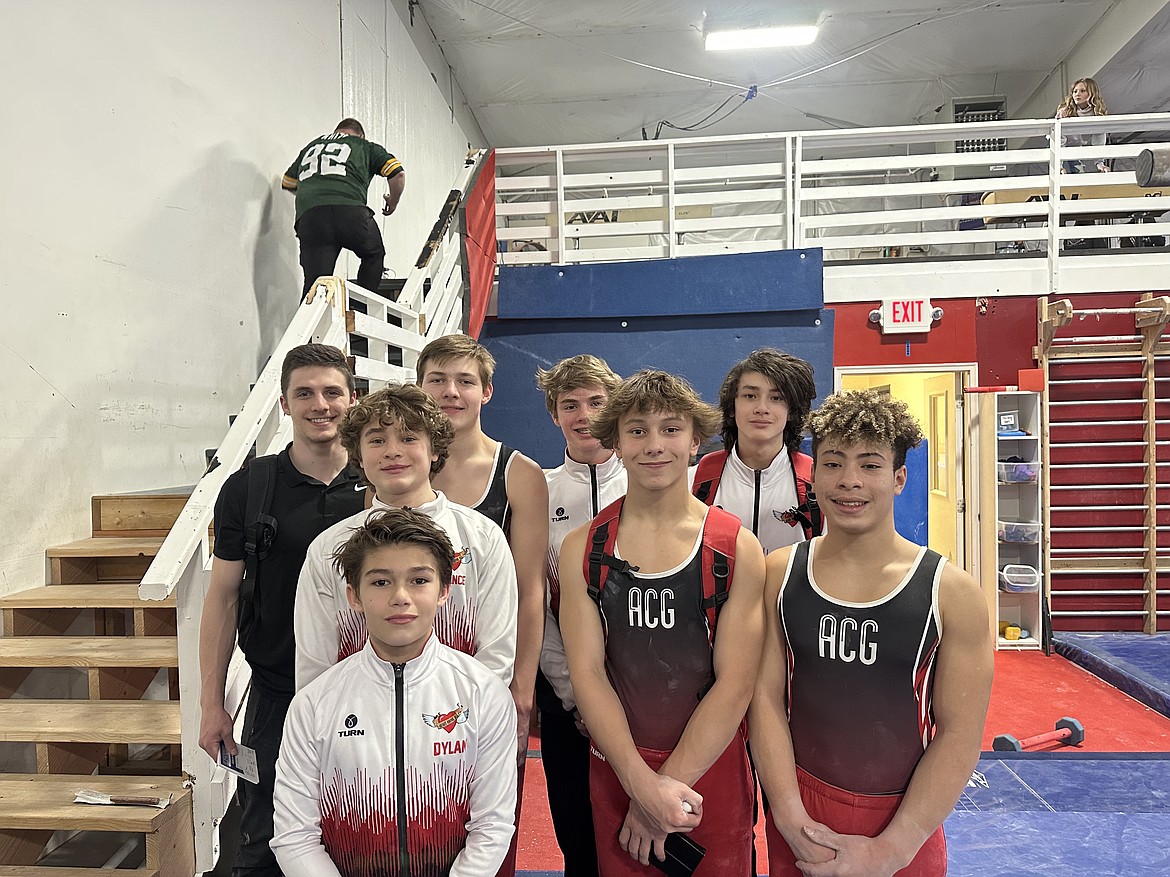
(478, 619)
(397, 769)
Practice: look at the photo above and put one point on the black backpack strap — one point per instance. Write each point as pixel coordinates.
(708, 473)
(597, 565)
(720, 573)
(815, 516)
(599, 559)
(807, 511)
(259, 525)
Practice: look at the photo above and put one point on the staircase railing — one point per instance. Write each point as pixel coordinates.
(429, 306)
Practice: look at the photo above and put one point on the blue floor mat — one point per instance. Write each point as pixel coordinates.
(1058, 785)
(1046, 844)
(1136, 663)
(1051, 816)
(1058, 815)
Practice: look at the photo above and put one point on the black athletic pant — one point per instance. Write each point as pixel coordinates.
(327, 230)
(565, 756)
(263, 731)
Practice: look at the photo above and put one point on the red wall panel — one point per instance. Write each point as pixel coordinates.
(856, 341)
(1005, 333)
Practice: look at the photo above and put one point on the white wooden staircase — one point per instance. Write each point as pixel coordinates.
(123, 656)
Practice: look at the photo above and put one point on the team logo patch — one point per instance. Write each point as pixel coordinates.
(448, 720)
(559, 514)
(351, 728)
(789, 517)
(462, 557)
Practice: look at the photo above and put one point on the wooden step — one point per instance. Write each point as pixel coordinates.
(55, 609)
(33, 806)
(46, 801)
(137, 514)
(90, 721)
(89, 651)
(102, 559)
(94, 595)
(107, 546)
(35, 871)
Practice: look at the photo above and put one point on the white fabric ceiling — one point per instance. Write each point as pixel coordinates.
(539, 72)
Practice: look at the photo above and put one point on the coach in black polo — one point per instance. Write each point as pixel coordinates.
(265, 518)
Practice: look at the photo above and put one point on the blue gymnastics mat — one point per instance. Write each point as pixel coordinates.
(1056, 815)
(1136, 663)
(1059, 814)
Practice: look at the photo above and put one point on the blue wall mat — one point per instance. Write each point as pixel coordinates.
(734, 283)
(911, 514)
(1136, 663)
(700, 349)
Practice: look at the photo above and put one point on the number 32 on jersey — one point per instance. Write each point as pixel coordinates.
(324, 158)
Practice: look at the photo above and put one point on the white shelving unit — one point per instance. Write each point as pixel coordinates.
(1011, 516)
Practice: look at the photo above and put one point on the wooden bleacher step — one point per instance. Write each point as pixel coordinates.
(108, 546)
(33, 806)
(101, 559)
(137, 514)
(94, 595)
(90, 721)
(42, 871)
(89, 651)
(52, 610)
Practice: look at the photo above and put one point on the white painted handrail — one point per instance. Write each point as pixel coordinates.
(430, 305)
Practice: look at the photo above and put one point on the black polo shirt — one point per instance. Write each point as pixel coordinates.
(303, 508)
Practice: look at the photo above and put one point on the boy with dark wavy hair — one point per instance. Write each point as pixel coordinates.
(760, 475)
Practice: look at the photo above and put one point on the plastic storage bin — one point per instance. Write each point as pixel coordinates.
(1017, 473)
(1019, 578)
(1015, 531)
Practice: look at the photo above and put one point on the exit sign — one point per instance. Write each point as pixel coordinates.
(906, 315)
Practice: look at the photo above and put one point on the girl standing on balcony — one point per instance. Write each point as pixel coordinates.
(1083, 100)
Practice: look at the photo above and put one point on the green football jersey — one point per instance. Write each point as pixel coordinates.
(337, 169)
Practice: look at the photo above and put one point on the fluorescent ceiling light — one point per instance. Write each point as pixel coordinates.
(760, 38)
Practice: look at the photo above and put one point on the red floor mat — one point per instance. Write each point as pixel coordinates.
(1031, 691)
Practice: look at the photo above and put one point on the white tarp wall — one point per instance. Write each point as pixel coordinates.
(148, 260)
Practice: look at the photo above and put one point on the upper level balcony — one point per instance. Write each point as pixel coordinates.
(960, 210)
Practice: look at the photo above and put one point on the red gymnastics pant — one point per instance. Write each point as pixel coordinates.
(849, 813)
(726, 830)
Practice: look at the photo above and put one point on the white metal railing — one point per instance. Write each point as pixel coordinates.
(430, 305)
(858, 193)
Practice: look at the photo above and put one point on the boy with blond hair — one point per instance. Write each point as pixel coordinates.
(590, 479)
(398, 760)
(873, 688)
(653, 575)
(505, 486)
(400, 440)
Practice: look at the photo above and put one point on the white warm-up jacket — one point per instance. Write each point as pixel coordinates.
(397, 768)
